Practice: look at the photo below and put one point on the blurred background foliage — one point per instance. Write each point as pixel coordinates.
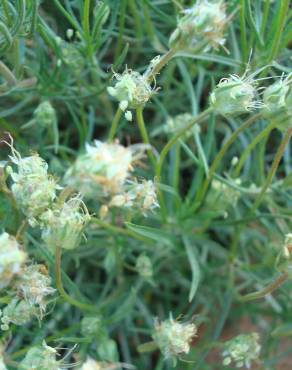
(205, 255)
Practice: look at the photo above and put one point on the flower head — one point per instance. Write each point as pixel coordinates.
(45, 115)
(33, 189)
(235, 95)
(41, 358)
(141, 196)
(12, 259)
(63, 225)
(17, 312)
(174, 337)
(103, 169)
(34, 286)
(276, 101)
(242, 350)
(201, 27)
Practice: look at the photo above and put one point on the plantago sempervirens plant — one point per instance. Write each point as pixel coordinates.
(242, 350)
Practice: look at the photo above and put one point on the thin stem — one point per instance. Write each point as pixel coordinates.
(162, 62)
(218, 158)
(114, 125)
(59, 284)
(267, 290)
(265, 132)
(275, 165)
(144, 134)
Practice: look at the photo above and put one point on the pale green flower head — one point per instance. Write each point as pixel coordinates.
(234, 95)
(141, 196)
(242, 350)
(144, 266)
(202, 27)
(64, 225)
(34, 286)
(33, 189)
(132, 90)
(93, 326)
(278, 103)
(17, 312)
(103, 169)
(12, 259)
(41, 358)
(173, 337)
(45, 115)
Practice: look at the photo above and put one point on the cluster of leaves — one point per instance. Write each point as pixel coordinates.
(224, 190)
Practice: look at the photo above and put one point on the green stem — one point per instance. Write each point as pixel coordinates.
(275, 165)
(218, 158)
(162, 62)
(267, 290)
(7, 74)
(265, 132)
(59, 284)
(243, 38)
(144, 134)
(114, 125)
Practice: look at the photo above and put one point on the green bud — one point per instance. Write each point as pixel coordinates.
(64, 225)
(45, 115)
(144, 266)
(40, 358)
(242, 350)
(92, 326)
(234, 95)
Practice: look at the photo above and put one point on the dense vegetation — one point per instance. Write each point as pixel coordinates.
(146, 185)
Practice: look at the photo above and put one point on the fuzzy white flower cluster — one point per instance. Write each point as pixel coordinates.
(201, 28)
(132, 90)
(235, 95)
(242, 350)
(277, 99)
(33, 189)
(63, 224)
(141, 196)
(174, 337)
(33, 286)
(12, 259)
(102, 169)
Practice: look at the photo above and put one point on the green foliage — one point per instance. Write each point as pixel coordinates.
(212, 153)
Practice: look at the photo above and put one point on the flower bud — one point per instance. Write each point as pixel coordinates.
(287, 249)
(12, 259)
(177, 123)
(93, 326)
(103, 169)
(34, 286)
(41, 358)
(173, 337)
(234, 95)
(63, 225)
(132, 90)
(33, 189)
(242, 350)
(144, 266)
(45, 115)
(276, 102)
(201, 28)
